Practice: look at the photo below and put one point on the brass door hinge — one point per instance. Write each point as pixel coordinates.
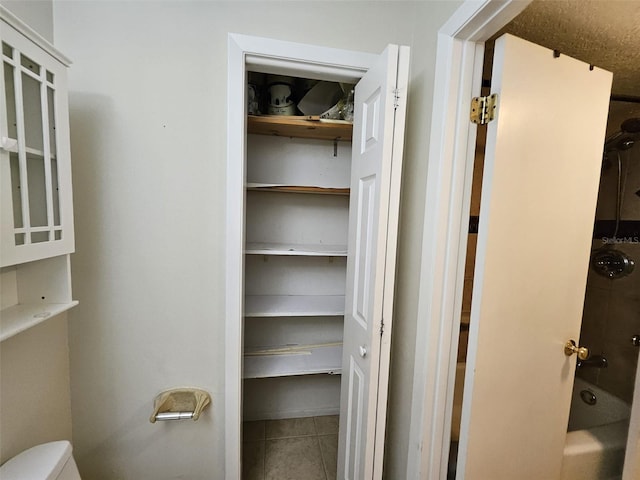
(483, 109)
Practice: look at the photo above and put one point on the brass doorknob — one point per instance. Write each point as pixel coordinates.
(570, 348)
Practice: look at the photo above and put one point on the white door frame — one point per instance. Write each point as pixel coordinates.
(269, 56)
(458, 77)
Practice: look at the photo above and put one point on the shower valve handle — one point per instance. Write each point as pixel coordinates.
(570, 348)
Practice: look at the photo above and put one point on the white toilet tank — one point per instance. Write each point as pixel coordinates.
(49, 461)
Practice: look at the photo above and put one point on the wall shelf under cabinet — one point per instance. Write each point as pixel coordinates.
(300, 127)
(303, 360)
(293, 305)
(34, 292)
(21, 317)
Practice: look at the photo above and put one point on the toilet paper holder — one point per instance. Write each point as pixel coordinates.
(180, 404)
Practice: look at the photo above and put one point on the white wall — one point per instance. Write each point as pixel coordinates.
(34, 365)
(429, 16)
(148, 113)
(34, 388)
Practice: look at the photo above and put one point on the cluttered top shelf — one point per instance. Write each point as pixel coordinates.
(310, 126)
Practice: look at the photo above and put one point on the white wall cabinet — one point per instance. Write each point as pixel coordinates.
(297, 215)
(36, 212)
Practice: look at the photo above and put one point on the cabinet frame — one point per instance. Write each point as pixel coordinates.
(9, 18)
(25, 41)
(35, 277)
(268, 56)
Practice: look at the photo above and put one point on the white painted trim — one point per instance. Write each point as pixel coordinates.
(236, 150)
(8, 17)
(458, 78)
(310, 61)
(261, 54)
(402, 85)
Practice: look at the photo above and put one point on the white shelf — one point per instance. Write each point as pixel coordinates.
(30, 151)
(305, 360)
(318, 250)
(293, 305)
(21, 317)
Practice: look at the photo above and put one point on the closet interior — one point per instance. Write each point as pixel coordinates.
(298, 175)
(297, 213)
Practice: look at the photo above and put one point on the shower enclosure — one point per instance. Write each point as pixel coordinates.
(611, 316)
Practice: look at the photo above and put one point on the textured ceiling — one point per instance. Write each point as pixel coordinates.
(604, 33)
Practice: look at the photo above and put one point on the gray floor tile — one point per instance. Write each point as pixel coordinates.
(290, 427)
(253, 460)
(293, 459)
(327, 424)
(329, 450)
(253, 431)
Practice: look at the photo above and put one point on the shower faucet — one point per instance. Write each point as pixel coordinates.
(594, 361)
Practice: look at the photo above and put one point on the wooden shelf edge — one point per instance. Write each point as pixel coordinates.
(299, 127)
(18, 318)
(298, 189)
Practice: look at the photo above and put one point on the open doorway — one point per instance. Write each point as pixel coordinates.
(470, 25)
(603, 390)
(608, 321)
(604, 385)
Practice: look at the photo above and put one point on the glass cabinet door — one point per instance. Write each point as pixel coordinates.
(35, 171)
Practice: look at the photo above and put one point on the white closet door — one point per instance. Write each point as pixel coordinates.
(373, 215)
(540, 186)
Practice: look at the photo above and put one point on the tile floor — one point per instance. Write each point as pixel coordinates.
(290, 449)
